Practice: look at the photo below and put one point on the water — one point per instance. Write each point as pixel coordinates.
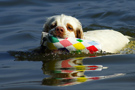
(20, 31)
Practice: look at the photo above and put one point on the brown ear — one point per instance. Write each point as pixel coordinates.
(45, 28)
(79, 33)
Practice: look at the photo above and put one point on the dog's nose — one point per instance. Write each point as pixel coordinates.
(59, 29)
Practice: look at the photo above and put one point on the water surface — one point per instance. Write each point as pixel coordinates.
(20, 31)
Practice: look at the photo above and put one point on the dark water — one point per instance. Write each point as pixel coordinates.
(21, 24)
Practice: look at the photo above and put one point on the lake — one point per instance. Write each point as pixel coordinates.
(21, 24)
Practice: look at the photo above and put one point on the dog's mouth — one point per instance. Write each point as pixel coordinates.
(57, 34)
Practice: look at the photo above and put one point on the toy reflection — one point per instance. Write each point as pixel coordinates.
(68, 72)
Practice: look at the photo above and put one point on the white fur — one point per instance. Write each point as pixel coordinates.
(110, 40)
(62, 20)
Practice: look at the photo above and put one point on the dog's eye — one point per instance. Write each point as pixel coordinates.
(53, 25)
(69, 27)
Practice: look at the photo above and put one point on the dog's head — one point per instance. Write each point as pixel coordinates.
(63, 26)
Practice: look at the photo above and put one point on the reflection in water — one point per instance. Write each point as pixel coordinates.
(62, 72)
(70, 72)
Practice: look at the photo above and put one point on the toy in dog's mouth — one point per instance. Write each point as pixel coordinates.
(70, 44)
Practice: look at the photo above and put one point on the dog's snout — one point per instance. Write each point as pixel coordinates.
(59, 30)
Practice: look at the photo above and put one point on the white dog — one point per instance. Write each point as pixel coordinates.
(64, 26)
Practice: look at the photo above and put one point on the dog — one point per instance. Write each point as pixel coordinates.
(65, 26)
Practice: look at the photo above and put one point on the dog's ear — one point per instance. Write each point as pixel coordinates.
(79, 30)
(45, 28)
(79, 33)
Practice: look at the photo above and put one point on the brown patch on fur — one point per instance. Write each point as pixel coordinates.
(46, 28)
(78, 33)
(53, 25)
(70, 27)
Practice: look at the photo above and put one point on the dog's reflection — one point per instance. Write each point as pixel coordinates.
(68, 72)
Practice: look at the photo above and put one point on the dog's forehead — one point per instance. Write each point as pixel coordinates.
(63, 19)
